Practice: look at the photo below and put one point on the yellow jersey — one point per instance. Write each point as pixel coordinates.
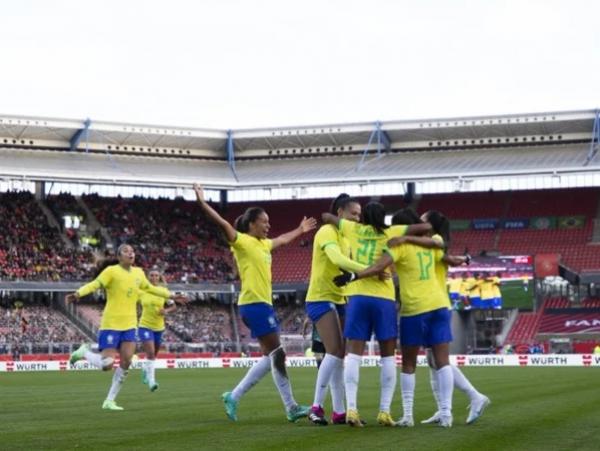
(454, 285)
(323, 270)
(151, 306)
(487, 289)
(496, 283)
(441, 272)
(474, 287)
(253, 258)
(419, 287)
(366, 247)
(464, 287)
(122, 288)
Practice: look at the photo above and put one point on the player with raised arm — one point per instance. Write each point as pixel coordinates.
(152, 326)
(252, 249)
(371, 307)
(325, 306)
(123, 283)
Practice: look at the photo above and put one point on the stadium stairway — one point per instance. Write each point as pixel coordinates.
(53, 222)
(91, 220)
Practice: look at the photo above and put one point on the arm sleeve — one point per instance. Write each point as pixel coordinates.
(338, 259)
(101, 281)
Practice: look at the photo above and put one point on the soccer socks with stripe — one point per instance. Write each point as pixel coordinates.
(252, 377)
(446, 387)
(351, 377)
(326, 370)
(388, 382)
(118, 379)
(281, 379)
(407, 384)
(337, 387)
(462, 383)
(434, 386)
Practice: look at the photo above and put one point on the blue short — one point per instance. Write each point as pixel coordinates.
(315, 310)
(426, 329)
(366, 315)
(497, 303)
(259, 318)
(145, 334)
(108, 338)
(476, 302)
(455, 296)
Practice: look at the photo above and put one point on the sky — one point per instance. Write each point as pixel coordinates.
(265, 63)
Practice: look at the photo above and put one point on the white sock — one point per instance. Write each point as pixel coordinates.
(446, 388)
(407, 383)
(93, 359)
(281, 379)
(388, 382)
(150, 373)
(328, 366)
(252, 377)
(462, 383)
(119, 377)
(435, 389)
(337, 387)
(351, 377)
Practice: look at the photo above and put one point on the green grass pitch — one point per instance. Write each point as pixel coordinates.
(532, 409)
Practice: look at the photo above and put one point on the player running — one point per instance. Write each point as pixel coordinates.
(252, 252)
(152, 326)
(371, 307)
(325, 306)
(122, 282)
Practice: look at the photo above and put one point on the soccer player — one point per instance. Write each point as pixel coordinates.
(152, 326)
(487, 291)
(371, 307)
(454, 285)
(122, 282)
(325, 306)
(497, 302)
(464, 292)
(424, 317)
(475, 291)
(478, 402)
(252, 252)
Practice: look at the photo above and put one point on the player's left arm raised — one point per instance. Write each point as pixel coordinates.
(306, 225)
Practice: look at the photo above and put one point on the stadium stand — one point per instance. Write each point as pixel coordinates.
(169, 234)
(41, 327)
(30, 249)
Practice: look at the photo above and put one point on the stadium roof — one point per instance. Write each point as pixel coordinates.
(86, 151)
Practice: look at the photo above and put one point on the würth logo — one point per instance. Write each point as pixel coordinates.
(460, 360)
(10, 366)
(399, 360)
(586, 359)
(170, 363)
(226, 363)
(523, 360)
(62, 365)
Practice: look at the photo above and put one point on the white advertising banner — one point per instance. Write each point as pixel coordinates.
(484, 360)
